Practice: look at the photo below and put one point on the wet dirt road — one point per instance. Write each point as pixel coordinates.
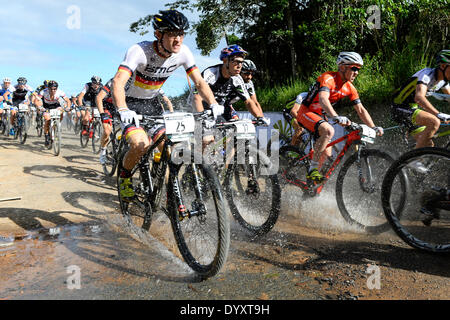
(68, 241)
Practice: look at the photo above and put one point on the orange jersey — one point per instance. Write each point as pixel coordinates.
(331, 82)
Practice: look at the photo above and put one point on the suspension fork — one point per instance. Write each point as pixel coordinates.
(364, 181)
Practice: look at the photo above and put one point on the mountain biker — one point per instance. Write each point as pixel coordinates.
(411, 107)
(149, 64)
(87, 97)
(227, 84)
(21, 95)
(248, 70)
(5, 91)
(50, 99)
(291, 109)
(327, 91)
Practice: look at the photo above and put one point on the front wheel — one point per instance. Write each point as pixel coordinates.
(253, 193)
(200, 222)
(97, 131)
(56, 137)
(425, 223)
(84, 138)
(358, 190)
(23, 129)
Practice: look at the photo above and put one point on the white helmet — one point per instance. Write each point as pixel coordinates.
(7, 80)
(346, 57)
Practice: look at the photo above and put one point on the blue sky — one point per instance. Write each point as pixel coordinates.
(38, 44)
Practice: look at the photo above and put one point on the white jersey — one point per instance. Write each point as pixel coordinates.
(45, 96)
(427, 77)
(149, 70)
(250, 88)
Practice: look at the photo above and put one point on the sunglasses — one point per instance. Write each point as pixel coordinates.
(354, 68)
(237, 61)
(247, 72)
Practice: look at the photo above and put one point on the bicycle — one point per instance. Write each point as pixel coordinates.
(361, 172)
(55, 131)
(21, 123)
(196, 211)
(94, 132)
(109, 167)
(39, 122)
(5, 123)
(425, 223)
(249, 181)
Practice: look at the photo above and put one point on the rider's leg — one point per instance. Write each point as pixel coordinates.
(432, 123)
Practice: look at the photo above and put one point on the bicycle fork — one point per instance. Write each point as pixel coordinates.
(365, 181)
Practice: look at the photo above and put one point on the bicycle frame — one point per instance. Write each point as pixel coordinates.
(350, 138)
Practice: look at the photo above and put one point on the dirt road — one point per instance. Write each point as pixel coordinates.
(67, 223)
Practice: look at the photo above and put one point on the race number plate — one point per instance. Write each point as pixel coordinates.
(179, 126)
(96, 113)
(245, 129)
(367, 134)
(55, 113)
(23, 107)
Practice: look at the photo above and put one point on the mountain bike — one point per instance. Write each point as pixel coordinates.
(39, 122)
(55, 131)
(425, 222)
(94, 132)
(358, 184)
(109, 167)
(5, 123)
(196, 210)
(21, 123)
(248, 177)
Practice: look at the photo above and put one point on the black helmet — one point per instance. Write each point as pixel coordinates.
(22, 80)
(170, 20)
(443, 57)
(249, 65)
(96, 80)
(52, 84)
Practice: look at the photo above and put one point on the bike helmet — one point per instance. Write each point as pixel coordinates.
(232, 50)
(21, 80)
(52, 84)
(96, 80)
(443, 57)
(248, 65)
(349, 58)
(170, 20)
(46, 83)
(7, 80)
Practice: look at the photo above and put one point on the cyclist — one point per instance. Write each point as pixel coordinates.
(227, 84)
(329, 88)
(5, 92)
(247, 72)
(88, 94)
(291, 111)
(166, 100)
(50, 99)
(411, 107)
(21, 94)
(150, 63)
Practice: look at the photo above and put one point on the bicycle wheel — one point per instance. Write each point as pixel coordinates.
(253, 194)
(56, 137)
(139, 210)
(111, 155)
(425, 223)
(39, 126)
(291, 169)
(358, 190)
(84, 139)
(23, 130)
(97, 130)
(203, 239)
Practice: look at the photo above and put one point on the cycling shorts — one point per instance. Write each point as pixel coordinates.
(309, 120)
(406, 115)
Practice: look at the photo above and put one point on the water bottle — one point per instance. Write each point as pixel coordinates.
(156, 159)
